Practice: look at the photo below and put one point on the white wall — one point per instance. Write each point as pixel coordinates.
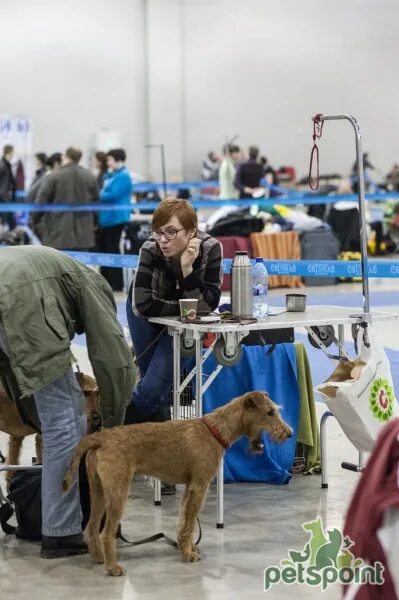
(165, 84)
(74, 67)
(188, 73)
(262, 68)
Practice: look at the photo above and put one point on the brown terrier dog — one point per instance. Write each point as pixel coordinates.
(11, 422)
(186, 451)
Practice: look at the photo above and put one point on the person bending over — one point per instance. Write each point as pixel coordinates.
(45, 298)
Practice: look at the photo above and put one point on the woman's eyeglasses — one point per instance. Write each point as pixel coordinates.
(169, 233)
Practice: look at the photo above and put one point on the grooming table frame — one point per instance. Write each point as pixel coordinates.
(233, 333)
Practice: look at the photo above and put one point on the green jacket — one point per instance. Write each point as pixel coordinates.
(45, 298)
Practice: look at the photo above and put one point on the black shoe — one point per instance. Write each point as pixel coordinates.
(59, 547)
(167, 489)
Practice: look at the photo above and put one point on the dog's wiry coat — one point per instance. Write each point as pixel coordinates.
(12, 424)
(176, 451)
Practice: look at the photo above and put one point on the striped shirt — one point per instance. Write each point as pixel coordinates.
(159, 284)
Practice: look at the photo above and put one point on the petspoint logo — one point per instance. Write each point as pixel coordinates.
(325, 560)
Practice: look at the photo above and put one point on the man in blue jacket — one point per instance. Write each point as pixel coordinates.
(117, 189)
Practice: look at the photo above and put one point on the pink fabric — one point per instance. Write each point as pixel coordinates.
(230, 245)
(376, 491)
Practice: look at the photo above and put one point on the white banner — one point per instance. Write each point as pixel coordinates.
(17, 131)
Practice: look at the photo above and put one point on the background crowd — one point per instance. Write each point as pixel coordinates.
(236, 174)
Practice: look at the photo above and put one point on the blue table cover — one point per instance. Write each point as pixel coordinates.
(277, 374)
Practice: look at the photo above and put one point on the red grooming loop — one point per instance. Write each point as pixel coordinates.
(317, 131)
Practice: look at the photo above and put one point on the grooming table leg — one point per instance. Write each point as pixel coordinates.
(157, 492)
(219, 488)
(323, 448)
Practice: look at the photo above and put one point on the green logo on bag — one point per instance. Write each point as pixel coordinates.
(382, 400)
(325, 560)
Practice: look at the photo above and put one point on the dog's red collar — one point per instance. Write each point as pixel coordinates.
(216, 433)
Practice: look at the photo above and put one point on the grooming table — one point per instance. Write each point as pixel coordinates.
(230, 335)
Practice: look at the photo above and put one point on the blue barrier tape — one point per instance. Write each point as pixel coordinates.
(306, 198)
(199, 204)
(156, 186)
(308, 268)
(147, 186)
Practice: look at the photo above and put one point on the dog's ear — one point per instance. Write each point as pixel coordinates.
(255, 400)
(88, 384)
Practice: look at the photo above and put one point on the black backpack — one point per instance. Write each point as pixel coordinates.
(237, 224)
(25, 499)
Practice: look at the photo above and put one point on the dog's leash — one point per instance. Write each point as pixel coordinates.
(7, 511)
(155, 537)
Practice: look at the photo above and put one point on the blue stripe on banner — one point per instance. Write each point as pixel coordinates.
(198, 204)
(308, 268)
(125, 261)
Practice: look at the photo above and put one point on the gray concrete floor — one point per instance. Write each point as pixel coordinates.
(262, 522)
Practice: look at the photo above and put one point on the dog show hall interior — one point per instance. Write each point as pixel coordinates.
(199, 355)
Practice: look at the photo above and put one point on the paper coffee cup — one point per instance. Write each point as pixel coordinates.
(188, 308)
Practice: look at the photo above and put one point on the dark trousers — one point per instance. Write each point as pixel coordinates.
(379, 236)
(109, 239)
(154, 352)
(8, 218)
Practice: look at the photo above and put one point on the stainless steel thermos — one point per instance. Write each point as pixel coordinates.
(241, 285)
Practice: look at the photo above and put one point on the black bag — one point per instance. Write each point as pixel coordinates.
(346, 226)
(265, 337)
(143, 197)
(136, 233)
(25, 499)
(237, 224)
(319, 244)
(16, 237)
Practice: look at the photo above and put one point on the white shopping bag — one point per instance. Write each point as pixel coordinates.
(360, 393)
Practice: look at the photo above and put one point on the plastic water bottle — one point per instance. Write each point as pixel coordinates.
(260, 280)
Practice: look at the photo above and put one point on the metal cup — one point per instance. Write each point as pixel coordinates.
(295, 302)
(188, 308)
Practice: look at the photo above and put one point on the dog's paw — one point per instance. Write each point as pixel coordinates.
(97, 557)
(116, 570)
(95, 549)
(192, 556)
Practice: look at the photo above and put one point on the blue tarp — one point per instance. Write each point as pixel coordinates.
(277, 374)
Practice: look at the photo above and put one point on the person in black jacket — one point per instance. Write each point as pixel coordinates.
(249, 174)
(7, 185)
(101, 167)
(41, 171)
(69, 184)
